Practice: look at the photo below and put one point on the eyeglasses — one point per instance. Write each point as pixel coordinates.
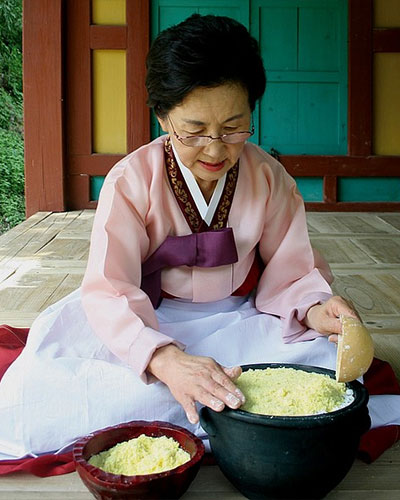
(203, 140)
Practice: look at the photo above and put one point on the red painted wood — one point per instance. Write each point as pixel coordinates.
(330, 189)
(43, 105)
(79, 192)
(297, 166)
(342, 166)
(138, 41)
(96, 164)
(78, 81)
(353, 207)
(107, 37)
(45, 22)
(82, 38)
(360, 78)
(386, 40)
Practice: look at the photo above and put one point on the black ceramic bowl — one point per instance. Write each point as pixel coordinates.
(163, 485)
(288, 457)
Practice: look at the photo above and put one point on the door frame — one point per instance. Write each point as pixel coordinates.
(58, 176)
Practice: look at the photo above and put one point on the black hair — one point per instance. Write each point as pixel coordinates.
(202, 51)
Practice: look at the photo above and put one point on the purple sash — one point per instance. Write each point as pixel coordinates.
(207, 249)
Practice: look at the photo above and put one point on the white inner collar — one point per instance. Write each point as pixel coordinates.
(206, 211)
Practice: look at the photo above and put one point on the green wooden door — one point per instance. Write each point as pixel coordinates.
(304, 46)
(304, 109)
(165, 13)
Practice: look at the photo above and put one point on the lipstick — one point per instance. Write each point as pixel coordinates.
(213, 167)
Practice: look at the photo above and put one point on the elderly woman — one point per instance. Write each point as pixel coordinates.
(200, 261)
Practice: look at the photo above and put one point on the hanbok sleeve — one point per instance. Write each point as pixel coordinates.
(119, 312)
(296, 276)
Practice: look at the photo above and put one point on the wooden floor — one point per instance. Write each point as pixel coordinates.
(44, 258)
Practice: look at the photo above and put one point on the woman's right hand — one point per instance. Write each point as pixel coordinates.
(196, 378)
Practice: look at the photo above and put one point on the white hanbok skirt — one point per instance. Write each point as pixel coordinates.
(66, 383)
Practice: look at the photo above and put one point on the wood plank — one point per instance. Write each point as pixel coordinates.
(78, 80)
(342, 166)
(212, 475)
(383, 324)
(41, 264)
(19, 237)
(53, 266)
(46, 265)
(392, 219)
(21, 228)
(341, 251)
(138, 43)
(386, 40)
(92, 164)
(363, 482)
(19, 319)
(45, 495)
(330, 189)
(349, 223)
(370, 293)
(370, 478)
(362, 206)
(381, 250)
(382, 236)
(7, 271)
(30, 292)
(43, 104)
(107, 37)
(34, 288)
(82, 223)
(67, 286)
(387, 285)
(26, 484)
(354, 268)
(29, 242)
(64, 248)
(360, 77)
(78, 191)
(387, 347)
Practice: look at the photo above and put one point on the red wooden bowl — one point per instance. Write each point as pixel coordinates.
(163, 485)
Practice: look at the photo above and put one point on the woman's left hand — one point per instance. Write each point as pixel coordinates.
(325, 318)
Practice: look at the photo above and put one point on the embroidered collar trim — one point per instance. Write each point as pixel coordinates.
(207, 211)
(185, 198)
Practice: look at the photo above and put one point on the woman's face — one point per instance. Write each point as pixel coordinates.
(212, 111)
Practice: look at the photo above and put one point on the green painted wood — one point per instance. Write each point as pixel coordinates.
(303, 43)
(96, 183)
(277, 126)
(169, 15)
(301, 76)
(304, 46)
(277, 28)
(310, 132)
(369, 189)
(311, 188)
(317, 118)
(318, 48)
(165, 13)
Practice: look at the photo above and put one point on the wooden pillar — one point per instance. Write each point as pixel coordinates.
(43, 105)
(360, 78)
(138, 41)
